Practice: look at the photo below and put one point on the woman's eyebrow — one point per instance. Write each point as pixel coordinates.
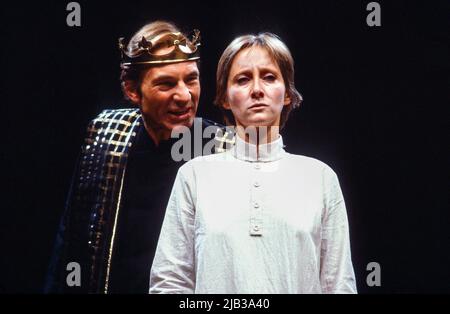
(263, 69)
(243, 71)
(268, 68)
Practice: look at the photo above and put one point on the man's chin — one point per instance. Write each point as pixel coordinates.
(182, 126)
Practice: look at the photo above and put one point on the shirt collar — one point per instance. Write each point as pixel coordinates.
(267, 152)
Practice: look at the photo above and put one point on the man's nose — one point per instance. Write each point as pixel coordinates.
(182, 94)
(257, 91)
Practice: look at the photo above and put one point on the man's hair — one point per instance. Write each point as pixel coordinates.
(135, 74)
(280, 54)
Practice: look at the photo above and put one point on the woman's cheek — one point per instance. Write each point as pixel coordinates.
(237, 98)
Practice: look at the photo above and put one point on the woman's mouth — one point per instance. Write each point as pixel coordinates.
(257, 106)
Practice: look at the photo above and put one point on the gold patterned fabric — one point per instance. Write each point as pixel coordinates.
(89, 224)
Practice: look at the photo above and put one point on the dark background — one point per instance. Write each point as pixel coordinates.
(374, 110)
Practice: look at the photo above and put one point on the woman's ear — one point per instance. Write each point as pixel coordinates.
(226, 105)
(132, 93)
(287, 99)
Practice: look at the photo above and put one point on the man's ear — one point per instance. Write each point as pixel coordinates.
(132, 93)
(287, 99)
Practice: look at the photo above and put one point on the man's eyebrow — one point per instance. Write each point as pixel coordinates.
(193, 73)
(163, 77)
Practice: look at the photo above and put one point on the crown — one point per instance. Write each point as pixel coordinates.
(179, 48)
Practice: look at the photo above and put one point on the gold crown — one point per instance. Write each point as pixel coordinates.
(180, 49)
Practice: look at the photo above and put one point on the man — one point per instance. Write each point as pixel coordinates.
(123, 180)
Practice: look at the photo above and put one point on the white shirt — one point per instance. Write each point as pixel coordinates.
(237, 222)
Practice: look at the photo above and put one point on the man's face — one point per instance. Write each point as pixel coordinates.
(256, 91)
(169, 97)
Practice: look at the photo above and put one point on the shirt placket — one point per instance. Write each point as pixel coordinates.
(256, 205)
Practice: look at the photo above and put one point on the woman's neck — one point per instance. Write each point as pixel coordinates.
(258, 135)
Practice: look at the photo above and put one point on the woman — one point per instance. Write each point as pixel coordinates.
(255, 219)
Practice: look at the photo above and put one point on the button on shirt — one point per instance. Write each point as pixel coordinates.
(254, 220)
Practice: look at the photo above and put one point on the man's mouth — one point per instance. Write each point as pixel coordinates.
(180, 115)
(180, 112)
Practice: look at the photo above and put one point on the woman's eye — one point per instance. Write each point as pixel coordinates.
(242, 80)
(269, 78)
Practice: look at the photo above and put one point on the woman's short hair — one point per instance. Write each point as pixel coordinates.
(280, 54)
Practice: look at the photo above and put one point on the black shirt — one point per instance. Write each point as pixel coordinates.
(149, 177)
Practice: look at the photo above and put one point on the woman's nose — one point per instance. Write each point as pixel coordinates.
(257, 91)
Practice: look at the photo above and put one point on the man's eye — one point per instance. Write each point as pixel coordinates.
(192, 80)
(166, 84)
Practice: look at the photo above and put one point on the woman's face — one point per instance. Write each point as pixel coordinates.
(256, 92)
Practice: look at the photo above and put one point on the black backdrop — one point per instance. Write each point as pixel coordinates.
(373, 110)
